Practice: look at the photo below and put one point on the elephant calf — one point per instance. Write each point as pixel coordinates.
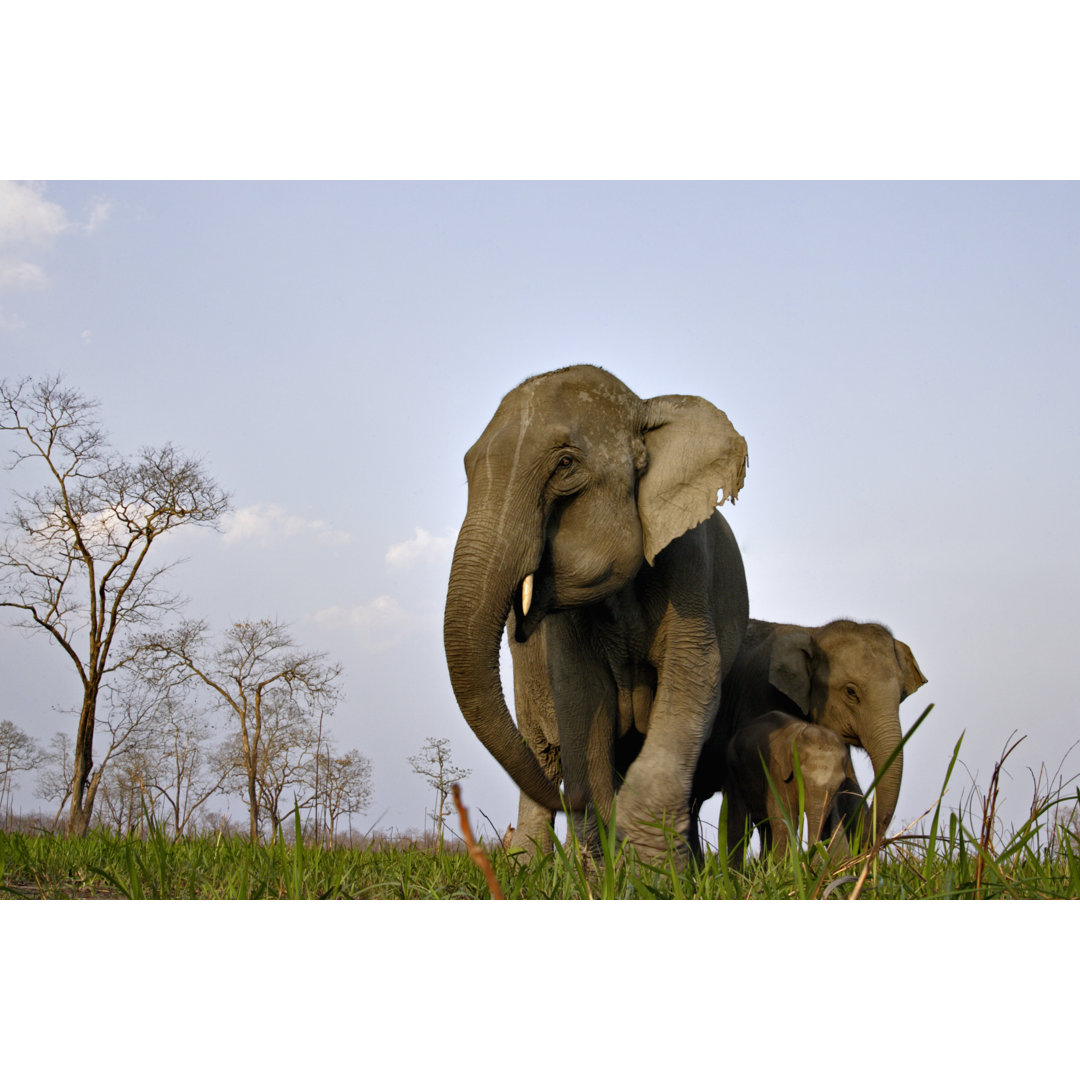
(762, 788)
(846, 677)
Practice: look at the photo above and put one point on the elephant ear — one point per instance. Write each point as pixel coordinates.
(913, 677)
(782, 761)
(693, 451)
(791, 666)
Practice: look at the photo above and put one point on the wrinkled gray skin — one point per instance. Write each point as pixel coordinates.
(847, 676)
(607, 503)
(770, 799)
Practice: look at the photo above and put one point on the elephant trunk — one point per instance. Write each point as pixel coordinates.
(484, 578)
(880, 738)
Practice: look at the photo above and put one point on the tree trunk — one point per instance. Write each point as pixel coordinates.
(82, 789)
(253, 807)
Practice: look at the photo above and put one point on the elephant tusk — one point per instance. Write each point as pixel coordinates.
(526, 595)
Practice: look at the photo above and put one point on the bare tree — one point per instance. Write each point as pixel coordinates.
(123, 793)
(167, 757)
(183, 769)
(286, 750)
(251, 671)
(289, 744)
(344, 785)
(434, 762)
(74, 561)
(18, 753)
(54, 777)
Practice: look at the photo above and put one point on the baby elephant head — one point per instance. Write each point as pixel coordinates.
(770, 797)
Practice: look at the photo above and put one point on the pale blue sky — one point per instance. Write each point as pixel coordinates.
(901, 358)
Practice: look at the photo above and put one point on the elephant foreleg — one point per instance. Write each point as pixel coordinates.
(534, 828)
(654, 800)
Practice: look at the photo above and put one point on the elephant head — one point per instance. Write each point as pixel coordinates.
(574, 485)
(769, 797)
(851, 677)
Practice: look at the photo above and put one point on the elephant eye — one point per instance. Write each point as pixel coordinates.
(567, 477)
(852, 694)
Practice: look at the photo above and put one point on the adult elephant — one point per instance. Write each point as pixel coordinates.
(847, 676)
(592, 534)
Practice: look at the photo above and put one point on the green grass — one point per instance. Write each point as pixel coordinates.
(954, 866)
(964, 854)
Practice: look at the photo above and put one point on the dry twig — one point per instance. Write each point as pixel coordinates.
(986, 839)
(476, 852)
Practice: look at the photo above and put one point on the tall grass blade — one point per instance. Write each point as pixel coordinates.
(931, 850)
(296, 892)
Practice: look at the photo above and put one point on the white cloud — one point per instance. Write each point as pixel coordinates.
(27, 218)
(378, 625)
(269, 524)
(104, 532)
(16, 273)
(29, 223)
(99, 214)
(422, 548)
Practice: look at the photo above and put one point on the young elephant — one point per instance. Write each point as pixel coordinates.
(845, 676)
(762, 791)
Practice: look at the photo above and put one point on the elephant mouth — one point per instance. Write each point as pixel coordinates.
(536, 596)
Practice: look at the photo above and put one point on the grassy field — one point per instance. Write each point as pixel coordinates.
(102, 866)
(961, 855)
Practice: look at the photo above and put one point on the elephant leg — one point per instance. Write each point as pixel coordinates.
(534, 829)
(654, 800)
(694, 834)
(586, 707)
(739, 827)
(588, 768)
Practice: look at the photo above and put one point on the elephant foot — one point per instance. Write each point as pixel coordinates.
(583, 835)
(524, 845)
(662, 847)
(532, 837)
(658, 837)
